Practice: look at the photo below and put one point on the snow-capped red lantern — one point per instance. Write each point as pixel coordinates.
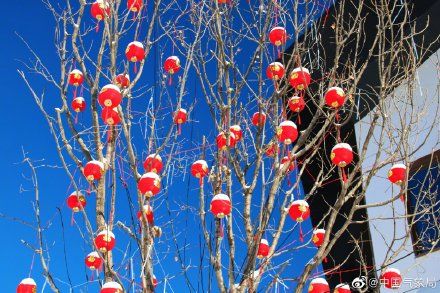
(341, 155)
(258, 119)
(319, 285)
(220, 205)
(299, 210)
(78, 104)
(93, 261)
(334, 97)
(76, 77)
(286, 160)
(172, 65)
(180, 116)
(222, 143)
(397, 173)
(278, 36)
(287, 132)
(199, 169)
(135, 52)
(100, 9)
(148, 212)
(155, 282)
(153, 163)
(105, 241)
(110, 96)
(300, 78)
(122, 80)
(134, 5)
(236, 130)
(27, 285)
(76, 201)
(296, 104)
(110, 116)
(93, 170)
(275, 71)
(318, 237)
(111, 287)
(263, 249)
(391, 278)
(342, 288)
(149, 184)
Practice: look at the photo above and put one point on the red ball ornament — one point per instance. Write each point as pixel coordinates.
(180, 116)
(148, 212)
(391, 278)
(134, 5)
(110, 116)
(199, 169)
(105, 241)
(153, 163)
(278, 36)
(319, 285)
(341, 155)
(300, 78)
(76, 77)
(172, 64)
(93, 261)
(286, 160)
(299, 210)
(342, 288)
(318, 237)
(135, 52)
(27, 285)
(236, 130)
(78, 104)
(222, 144)
(275, 71)
(287, 132)
(93, 170)
(220, 205)
(258, 119)
(335, 97)
(397, 173)
(76, 201)
(263, 249)
(111, 287)
(149, 184)
(110, 96)
(296, 104)
(122, 80)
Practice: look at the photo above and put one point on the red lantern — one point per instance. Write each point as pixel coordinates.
(135, 52)
(222, 144)
(319, 285)
(111, 287)
(148, 212)
(341, 155)
(335, 97)
(391, 278)
(318, 237)
(299, 210)
(300, 78)
(286, 160)
(93, 261)
(100, 9)
(93, 170)
(78, 104)
(76, 77)
(199, 169)
(172, 64)
(287, 132)
(122, 81)
(155, 282)
(258, 119)
(134, 5)
(342, 288)
(105, 241)
(110, 116)
(110, 96)
(271, 150)
(236, 130)
(76, 201)
(220, 205)
(278, 36)
(275, 71)
(180, 116)
(149, 184)
(153, 163)
(223, 1)
(27, 285)
(397, 173)
(296, 104)
(263, 249)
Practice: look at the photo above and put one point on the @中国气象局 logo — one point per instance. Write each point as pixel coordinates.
(362, 282)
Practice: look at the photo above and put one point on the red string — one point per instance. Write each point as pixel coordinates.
(97, 27)
(344, 176)
(301, 235)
